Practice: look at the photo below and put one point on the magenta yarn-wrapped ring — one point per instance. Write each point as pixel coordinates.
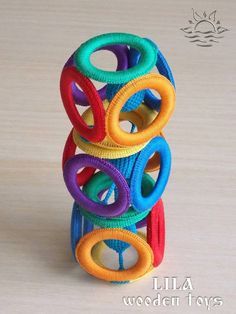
(121, 53)
(121, 204)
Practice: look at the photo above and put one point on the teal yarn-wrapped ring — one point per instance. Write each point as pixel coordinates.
(146, 62)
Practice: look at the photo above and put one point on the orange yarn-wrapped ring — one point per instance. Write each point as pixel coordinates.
(152, 81)
(84, 248)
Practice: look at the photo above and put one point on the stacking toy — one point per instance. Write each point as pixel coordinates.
(114, 194)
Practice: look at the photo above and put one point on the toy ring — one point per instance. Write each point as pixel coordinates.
(107, 210)
(97, 256)
(156, 232)
(86, 244)
(68, 76)
(145, 64)
(154, 81)
(144, 202)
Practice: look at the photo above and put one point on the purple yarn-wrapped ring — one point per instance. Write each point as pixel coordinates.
(121, 53)
(74, 164)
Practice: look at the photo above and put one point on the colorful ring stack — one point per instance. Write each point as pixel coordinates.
(114, 194)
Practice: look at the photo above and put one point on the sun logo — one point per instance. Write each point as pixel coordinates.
(204, 30)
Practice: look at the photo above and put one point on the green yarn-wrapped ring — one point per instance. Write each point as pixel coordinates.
(146, 62)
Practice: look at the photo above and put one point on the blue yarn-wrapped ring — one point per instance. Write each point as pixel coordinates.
(140, 202)
(78, 222)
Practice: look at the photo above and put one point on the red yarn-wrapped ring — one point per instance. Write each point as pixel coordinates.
(156, 232)
(97, 132)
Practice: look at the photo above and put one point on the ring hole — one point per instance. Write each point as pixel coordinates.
(81, 108)
(130, 257)
(89, 170)
(155, 93)
(128, 126)
(81, 170)
(108, 196)
(155, 174)
(110, 258)
(141, 118)
(104, 59)
(147, 186)
(153, 163)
